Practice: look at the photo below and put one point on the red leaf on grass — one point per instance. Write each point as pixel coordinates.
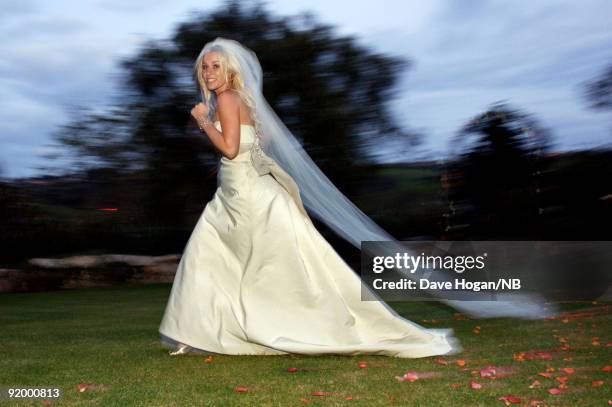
(544, 355)
(240, 389)
(461, 362)
(81, 387)
(441, 361)
(597, 383)
(534, 385)
(488, 372)
(510, 400)
(545, 374)
(348, 398)
(363, 365)
(318, 393)
(292, 369)
(475, 385)
(414, 376)
(408, 376)
(562, 379)
(555, 391)
(568, 370)
(606, 369)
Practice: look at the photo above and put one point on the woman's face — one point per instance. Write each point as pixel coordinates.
(213, 74)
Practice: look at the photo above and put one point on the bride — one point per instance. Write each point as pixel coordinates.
(256, 277)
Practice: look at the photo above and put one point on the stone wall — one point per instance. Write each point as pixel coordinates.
(105, 270)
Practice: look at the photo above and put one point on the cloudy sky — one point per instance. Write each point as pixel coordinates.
(466, 55)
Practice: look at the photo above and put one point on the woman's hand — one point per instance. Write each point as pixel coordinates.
(200, 111)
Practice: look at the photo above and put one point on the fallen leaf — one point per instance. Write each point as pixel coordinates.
(461, 362)
(318, 393)
(475, 385)
(545, 374)
(408, 376)
(441, 361)
(292, 369)
(510, 400)
(555, 391)
(488, 372)
(544, 355)
(81, 387)
(455, 385)
(240, 389)
(209, 359)
(348, 398)
(597, 383)
(606, 369)
(562, 379)
(535, 384)
(568, 370)
(363, 365)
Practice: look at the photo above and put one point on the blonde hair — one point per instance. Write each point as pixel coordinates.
(233, 77)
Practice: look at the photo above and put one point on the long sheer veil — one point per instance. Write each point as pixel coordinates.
(324, 201)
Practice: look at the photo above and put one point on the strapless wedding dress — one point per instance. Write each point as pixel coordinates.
(257, 278)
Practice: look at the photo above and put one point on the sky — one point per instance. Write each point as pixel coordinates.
(466, 55)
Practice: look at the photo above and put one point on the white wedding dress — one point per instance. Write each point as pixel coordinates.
(257, 278)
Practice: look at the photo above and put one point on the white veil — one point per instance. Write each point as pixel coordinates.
(323, 200)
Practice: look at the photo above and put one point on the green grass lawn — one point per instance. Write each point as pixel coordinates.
(108, 338)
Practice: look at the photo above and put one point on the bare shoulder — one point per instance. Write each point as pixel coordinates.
(229, 98)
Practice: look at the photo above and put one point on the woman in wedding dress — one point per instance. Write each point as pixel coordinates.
(256, 277)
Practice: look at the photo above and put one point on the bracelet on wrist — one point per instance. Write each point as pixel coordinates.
(202, 123)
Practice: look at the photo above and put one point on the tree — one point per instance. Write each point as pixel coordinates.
(599, 91)
(495, 185)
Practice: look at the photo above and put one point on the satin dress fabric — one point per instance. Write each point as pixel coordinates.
(257, 278)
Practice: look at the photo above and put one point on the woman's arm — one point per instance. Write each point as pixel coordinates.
(227, 141)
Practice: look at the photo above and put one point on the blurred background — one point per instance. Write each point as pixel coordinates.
(441, 120)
